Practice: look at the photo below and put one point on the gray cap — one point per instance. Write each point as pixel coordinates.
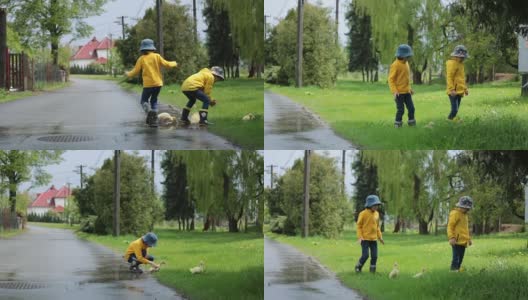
(147, 44)
(217, 71)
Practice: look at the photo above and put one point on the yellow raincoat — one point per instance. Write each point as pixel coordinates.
(368, 225)
(455, 76)
(151, 64)
(400, 77)
(458, 227)
(202, 80)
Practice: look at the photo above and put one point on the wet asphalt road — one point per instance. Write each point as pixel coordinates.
(288, 125)
(92, 114)
(49, 264)
(289, 274)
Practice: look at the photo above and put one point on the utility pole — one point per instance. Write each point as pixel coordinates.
(117, 191)
(195, 22)
(159, 23)
(337, 22)
(298, 73)
(265, 25)
(3, 49)
(526, 206)
(306, 206)
(343, 171)
(121, 21)
(80, 168)
(272, 174)
(152, 170)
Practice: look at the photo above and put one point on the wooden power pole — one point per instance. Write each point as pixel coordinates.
(159, 25)
(152, 167)
(298, 69)
(306, 206)
(3, 49)
(337, 21)
(117, 191)
(343, 171)
(195, 22)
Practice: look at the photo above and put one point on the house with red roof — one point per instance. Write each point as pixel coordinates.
(51, 200)
(93, 52)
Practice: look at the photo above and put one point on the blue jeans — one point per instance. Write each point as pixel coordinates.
(455, 105)
(401, 100)
(152, 94)
(458, 256)
(132, 257)
(365, 245)
(198, 94)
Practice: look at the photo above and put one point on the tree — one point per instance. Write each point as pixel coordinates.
(319, 59)
(328, 207)
(366, 182)
(221, 48)
(178, 39)
(43, 22)
(17, 166)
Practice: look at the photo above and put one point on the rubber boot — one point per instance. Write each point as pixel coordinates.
(155, 121)
(358, 267)
(373, 269)
(397, 124)
(152, 117)
(185, 116)
(146, 106)
(411, 122)
(203, 118)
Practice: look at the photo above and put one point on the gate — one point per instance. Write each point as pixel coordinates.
(19, 72)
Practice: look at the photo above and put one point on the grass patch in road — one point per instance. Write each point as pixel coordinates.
(234, 262)
(5, 234)
(6, 96)
(236, 98)
(494, 115)
(55, 225)
(496, 266)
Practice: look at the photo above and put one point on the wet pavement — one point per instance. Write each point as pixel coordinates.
(49, 264)
(92, 114)
(289, 274)
(289, 125)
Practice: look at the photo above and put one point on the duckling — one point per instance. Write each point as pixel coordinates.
(395, 271)
(419, 274)
(199, 269)
(248, 117)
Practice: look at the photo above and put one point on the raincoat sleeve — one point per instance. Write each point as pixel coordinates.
(167, 64)
(378, 231)
(208, 84)
(392, 78)
(451, 70)
(137, 67)
(451, 225)
(139, 255)
(360, 223)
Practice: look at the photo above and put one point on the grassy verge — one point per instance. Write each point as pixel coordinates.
(496, 266)
(234, 262)
(4, 234)
(97, 77)
(55, 225)
(10, 96)
(236, 98)
(494, 115)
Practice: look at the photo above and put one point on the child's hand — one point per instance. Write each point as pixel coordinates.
(466, 92)
(382, 241)
(360, 240)
(453, 93)
(396, 95)
(412, 92)
(470, 242)
(452, 241)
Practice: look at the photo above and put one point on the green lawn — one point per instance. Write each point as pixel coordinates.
(234, 262)
(4, 234)
(236, 98)
(10, 96)
(496, 266)
(494, 115)
(55, 225)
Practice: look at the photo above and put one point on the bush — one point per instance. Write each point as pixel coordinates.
(88, 224)
(92, 69)
(49, 217)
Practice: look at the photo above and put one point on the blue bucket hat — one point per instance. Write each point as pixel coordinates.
(372, 200)
(147, 44)
(465, 202)
(404, 50)
(150, 239)
(460, 51)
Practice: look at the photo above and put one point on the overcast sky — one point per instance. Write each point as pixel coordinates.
(132, 10)
(277, 10)
(65, 172)
(284, 159)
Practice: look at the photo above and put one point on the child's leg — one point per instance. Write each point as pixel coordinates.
(145, 95)
(187, 109)
(373, 255)
(410, 109)
(204, 98)
(455, 103)
(456, 261)
(399, 111)
(459, 102)
(461, 253)
(364, 256)
(154, 98)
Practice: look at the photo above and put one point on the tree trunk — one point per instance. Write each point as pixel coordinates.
(417, 77)
(363, 74)
(423, 227)
(192, 223)
(397, 226)
(12, 194)
(246, 223)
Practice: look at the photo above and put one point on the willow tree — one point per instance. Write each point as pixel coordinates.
(247, 26)
(417, 23)
(412, 183)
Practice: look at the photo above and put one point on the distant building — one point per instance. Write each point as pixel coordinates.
(93, 52)
(51, 200)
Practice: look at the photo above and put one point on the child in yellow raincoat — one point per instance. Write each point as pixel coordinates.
(199, 86)
(400, 85)
(150, 63)
(368, 232)
(137, 252)
(456, 80)
(458, 231)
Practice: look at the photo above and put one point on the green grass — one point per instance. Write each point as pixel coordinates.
(495, 116)
(234, 262)
(6, 96)
(55, 225)
(4, 234)
(236, 98)
(496, 266)
(97, 77)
